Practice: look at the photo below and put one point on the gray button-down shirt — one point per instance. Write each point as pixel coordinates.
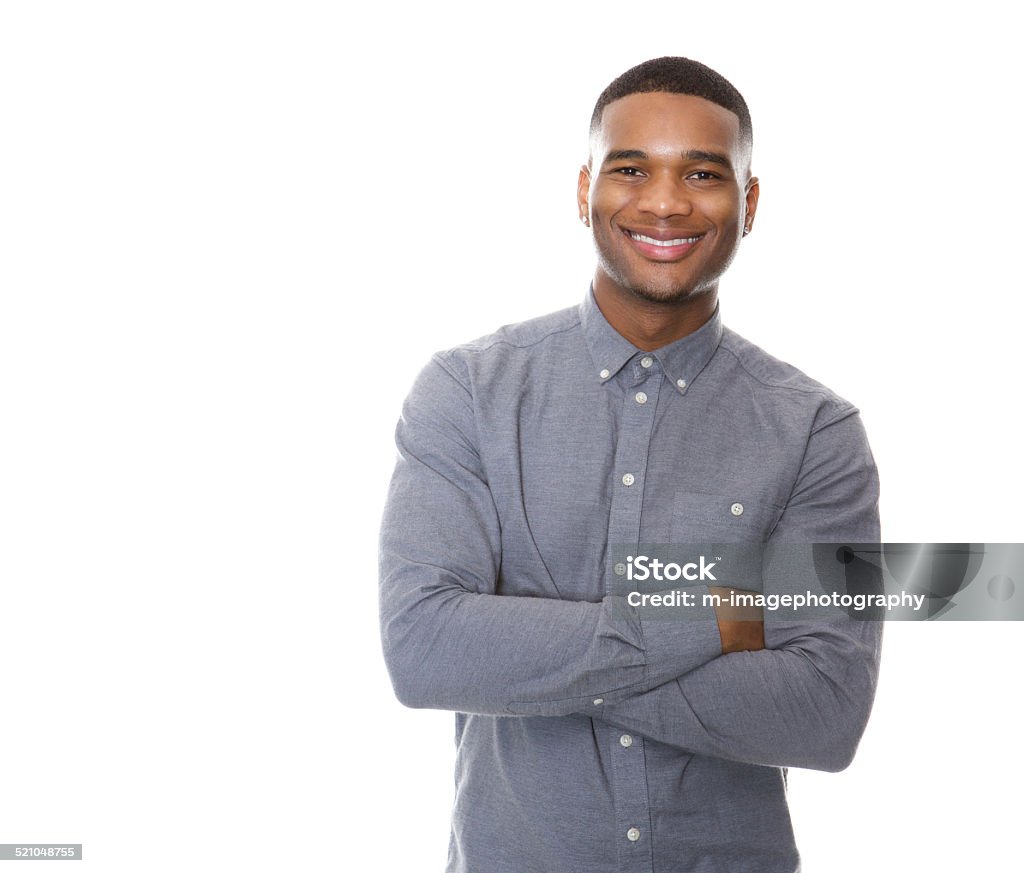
(589, 739)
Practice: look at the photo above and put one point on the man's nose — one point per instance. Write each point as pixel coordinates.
(665, 194)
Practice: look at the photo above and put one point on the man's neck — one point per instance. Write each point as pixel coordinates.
(649, 325)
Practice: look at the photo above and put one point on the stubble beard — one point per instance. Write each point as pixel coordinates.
(658, 293)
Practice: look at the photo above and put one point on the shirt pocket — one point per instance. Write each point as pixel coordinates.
(701, 517)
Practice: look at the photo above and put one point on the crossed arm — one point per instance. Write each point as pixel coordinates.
(451, 643)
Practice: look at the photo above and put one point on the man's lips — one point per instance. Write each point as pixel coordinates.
(663, 245)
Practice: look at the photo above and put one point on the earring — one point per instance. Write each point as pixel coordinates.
(746, 230)
(585, 220)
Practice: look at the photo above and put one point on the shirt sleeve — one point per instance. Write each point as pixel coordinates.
(449, 641)
(804, 700)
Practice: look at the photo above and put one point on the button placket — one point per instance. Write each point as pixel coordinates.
(628, 771)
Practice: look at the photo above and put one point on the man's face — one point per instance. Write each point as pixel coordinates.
(668, 192)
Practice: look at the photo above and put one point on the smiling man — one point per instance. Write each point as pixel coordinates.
(592, 737)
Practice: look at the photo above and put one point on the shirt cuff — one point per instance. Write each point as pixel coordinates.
(680, 634)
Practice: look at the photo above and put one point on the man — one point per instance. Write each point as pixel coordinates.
(592, 738)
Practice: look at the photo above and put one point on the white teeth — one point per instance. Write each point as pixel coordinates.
(639, 237)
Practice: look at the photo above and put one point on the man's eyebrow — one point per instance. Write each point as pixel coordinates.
(710, 157)
(691, 155)
(626, 155)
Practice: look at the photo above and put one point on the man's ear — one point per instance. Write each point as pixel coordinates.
(753, 192)
(583, 194)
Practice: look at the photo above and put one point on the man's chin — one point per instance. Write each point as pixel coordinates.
(654, 286)
(664, 296)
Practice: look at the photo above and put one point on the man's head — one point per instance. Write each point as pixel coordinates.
(668, 188)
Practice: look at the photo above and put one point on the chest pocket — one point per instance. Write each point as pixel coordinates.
(699, 517)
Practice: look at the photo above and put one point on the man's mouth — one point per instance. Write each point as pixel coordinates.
(639, 237)
(662, 249)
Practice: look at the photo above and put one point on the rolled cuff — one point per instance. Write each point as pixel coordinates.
(680, 636)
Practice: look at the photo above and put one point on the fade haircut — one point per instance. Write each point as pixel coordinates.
(677, 76)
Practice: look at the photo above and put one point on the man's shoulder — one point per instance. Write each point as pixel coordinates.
(787, 385)
(521, 335)
(521, 340)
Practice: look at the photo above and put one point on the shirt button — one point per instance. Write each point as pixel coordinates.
(604, 374)
(736, 509)
(641, 398)
(633, 834)
(681, 383)
(620, 569)
(628, 479)
(646, 362)
(626, 740)
(598, 701)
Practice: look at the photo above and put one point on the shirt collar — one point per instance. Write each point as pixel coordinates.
(682, 360)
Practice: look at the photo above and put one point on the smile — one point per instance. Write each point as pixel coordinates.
(639, 237)
(664, 250)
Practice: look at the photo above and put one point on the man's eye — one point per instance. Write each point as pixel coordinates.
(703, 175)
(627, 171)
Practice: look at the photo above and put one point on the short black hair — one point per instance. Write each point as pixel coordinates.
(677, 76)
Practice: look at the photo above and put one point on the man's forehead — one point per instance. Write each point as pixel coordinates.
(662, 120)
(661, 110)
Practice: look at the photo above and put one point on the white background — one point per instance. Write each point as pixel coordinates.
(231, 235)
